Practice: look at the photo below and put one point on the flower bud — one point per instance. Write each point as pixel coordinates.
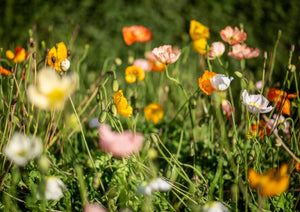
(193, 102)
(152, 154)
(34, 55)
(102, 116)
(43, 164)
(11, 81)
(238, 74)
(113, 110)
(99, 96)
(115, 85)
(69, 53)
(153, 137)
(96, 180)
(65, 65)
(291, 68)
(118, 61)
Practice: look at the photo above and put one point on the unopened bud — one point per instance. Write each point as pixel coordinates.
(102, 116)
(193, 102)
(65, 65)
(238, 74)
(115, 85)
(153, 137)
(292, 48)
(251, 154)
(113, 110)
(152, 154)
(96, 180)
(118, 61)
(34, 55)
(69, 53)
(43, 163)
(99, 96)
(292, 68)
(239, 159)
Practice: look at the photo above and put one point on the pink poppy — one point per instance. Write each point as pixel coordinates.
(243, 52)
(166, 55)
(216, 50)
(119, 144)
(143, 64)
(233, 36)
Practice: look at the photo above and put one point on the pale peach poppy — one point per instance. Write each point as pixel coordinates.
(119, 144)
(243, 52)
(216, 50)
(166, 55)
(233, 36)
(143, 64)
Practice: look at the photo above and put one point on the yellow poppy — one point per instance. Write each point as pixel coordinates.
(270, 184)
(17, 57)
(56, 56)
(133, 72)
(200, 45)
(205, 83)
(198, 30)
(154, 111)
(122, 105)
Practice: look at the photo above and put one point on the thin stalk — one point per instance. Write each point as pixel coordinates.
(274, 55)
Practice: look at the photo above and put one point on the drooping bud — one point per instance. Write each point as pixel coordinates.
(113, 110)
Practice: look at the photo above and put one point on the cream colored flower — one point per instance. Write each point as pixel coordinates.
(54, 188)
(51, 91)
(220, 82)
(256, 103)
(21, 149)
(159, 184)
(215, 207)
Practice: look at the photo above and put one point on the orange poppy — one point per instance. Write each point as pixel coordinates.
(157, 66)
(4, 71)
(282, 98)
(272, 183)
(136, 34)
(57, 55)
(204, 82)
(18, 56)
(133, 72)
(262, 130)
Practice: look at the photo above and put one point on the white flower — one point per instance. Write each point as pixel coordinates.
(256, 103)
(65, 64)
(21, 149)
(158, 184)
(51, 91)
(215, 207)
(216, 50)
(220, 82)
(54, 188)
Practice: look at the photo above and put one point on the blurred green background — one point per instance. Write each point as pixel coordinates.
(100, 25)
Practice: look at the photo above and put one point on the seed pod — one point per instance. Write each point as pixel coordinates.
(113, 110)
(102, 116)
(115, 85)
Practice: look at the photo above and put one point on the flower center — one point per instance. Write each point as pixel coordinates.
(255, 105)
(56, 95)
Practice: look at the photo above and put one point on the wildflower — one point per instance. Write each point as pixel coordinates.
(214, 207)
(94, 208)
(56, 56)
(143, 64)
(227, 109)
(270, 184)
(154, 111)
(293, 164)
(233, 36)
(282, 99)
(54, 188)
(166, 55)
(211, 81)
(262, 129)
(200, 45)
(136, 34)
(51, 91)
(243, 52)
(17, 57)
(198, 30)
(21, 149)
(258, 85)
(4, 71)
(256, 103)
(122, 105)
(280, 121)
(133, 72)
(159, 184)
(154, 63)
(119, 144)
(216, 50)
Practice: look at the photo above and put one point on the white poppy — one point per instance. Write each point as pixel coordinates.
(158, 184)
(54, 188)
(21, 149)
(215, 207)
(256, 103)
(51, 90)
(220, 82)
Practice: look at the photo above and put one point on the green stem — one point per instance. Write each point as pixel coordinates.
(274, 55)
(176, 82)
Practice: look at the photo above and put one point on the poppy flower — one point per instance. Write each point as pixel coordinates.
(256, 103)
(122, 105)
(200, 45)
(243, 52)
(270, 184)
(136, 34)
(156, 66)
(233, 36)
(198, 30)
(134, 72)
(262, 129)
(119, 144)
(4, 71)
(18, 56)
(54, 188)
(143, 64)
(154, 111)
(166, 55)
(282, 98)
(210, 82)
(57, 55)
(216, 50)
(159, 184)
(51, 90)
